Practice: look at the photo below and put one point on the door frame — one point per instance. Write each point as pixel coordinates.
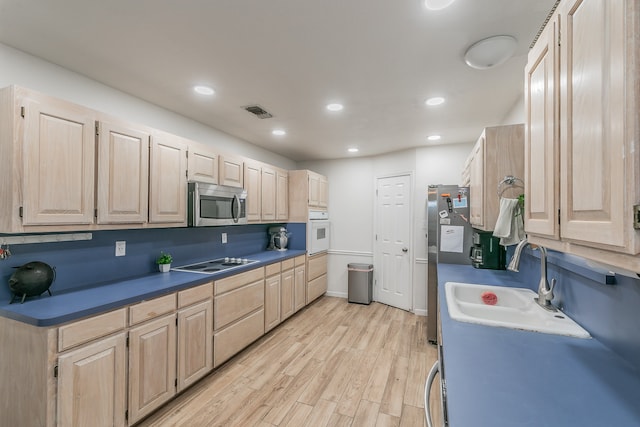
(410, 243)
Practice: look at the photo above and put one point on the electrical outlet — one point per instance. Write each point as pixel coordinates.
(121, 248)
(224, 237)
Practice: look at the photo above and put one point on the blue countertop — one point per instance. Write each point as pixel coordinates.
(502, 377)
(65, 307)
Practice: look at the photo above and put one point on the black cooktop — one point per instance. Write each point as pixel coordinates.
(215, 265)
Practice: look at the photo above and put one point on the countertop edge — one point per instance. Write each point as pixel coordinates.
(48, 311)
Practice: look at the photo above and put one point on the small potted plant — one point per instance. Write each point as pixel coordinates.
(164, 262)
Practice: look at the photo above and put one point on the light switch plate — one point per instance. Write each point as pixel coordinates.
(121, 248)
(224, 237)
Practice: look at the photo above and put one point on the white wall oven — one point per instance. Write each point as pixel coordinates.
(318, 229)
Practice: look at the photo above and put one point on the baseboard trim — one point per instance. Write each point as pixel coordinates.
(420, 312)
(337, 294)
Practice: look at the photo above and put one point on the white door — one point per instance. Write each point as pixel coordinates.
(393, 241)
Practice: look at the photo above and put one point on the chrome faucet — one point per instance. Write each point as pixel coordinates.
(545, 291)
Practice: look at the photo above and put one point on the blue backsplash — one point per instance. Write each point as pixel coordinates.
(611, 313)
(89, 263)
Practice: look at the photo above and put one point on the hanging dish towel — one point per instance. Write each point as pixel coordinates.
(509, 226)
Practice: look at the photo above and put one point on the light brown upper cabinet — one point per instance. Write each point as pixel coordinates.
(202, 163)
(307, 190)
(231, 171)
(253, 185)
(168, 179)
(499, 152)
(47, 148)
(123, 172)
(267, 192)
(282, 195)
(582, 130)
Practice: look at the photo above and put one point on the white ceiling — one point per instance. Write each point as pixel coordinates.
(380, 58)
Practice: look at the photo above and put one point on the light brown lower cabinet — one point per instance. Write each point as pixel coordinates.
(316, 276)
(152, 366)
(91, 385)
(287, 293)
(238, 313)
(195, 347)
(300, 282)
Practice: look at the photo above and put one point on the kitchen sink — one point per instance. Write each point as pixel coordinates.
(513, 308)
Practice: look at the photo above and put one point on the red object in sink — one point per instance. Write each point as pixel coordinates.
(489, 298)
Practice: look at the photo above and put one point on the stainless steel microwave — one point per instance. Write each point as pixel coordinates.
(210, 204)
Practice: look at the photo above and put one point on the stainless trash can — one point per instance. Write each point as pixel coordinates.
(360, 283)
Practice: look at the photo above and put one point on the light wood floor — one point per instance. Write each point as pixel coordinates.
(331, 364)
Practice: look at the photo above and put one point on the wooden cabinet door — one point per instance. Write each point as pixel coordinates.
(252, 183)
(268, 194)
(323, 192)
(287, 294)
(592, 132)
(123, 173)
(282, 195)
(476, 187)
(168, 180)
(314, 190)
(152, 366)
(202, 164)
(231, 171)
(195, 343)
(542, 190)
(300, 287)
(92, 384)
(59, 162)
(272, 302)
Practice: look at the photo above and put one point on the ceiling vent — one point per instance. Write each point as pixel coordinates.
(258, 111)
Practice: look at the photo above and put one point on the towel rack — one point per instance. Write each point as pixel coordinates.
(507, 182)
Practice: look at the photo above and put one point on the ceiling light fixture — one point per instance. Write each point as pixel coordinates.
(353, 150)
(434, 137)
(490, 52)
(204, 90)
(437, 4)
(436, 100)
(279, 132)
(335, 107)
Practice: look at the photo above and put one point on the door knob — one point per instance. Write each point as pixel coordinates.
(405, 249)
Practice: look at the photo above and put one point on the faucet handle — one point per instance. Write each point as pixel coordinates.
(552, 285)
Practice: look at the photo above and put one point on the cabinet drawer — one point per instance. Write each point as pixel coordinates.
(317, 266)
(153, 308)
(272, 269)
(89, 329)
(234, 282)
(193, 295)
(231, 340)
(288, 264)
(300, 260)
(316, 288)
(238, 303)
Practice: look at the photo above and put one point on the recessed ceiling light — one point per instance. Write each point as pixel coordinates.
(204, 90)
(279, 132)
(436, 100)
(434, 137)
(437, 4)
(335, 107)
(353, 150)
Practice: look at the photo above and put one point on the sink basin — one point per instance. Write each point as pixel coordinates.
(514, 308)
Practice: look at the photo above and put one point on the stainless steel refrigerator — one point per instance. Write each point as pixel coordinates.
(449, 239)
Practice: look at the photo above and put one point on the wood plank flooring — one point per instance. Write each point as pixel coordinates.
(331, 364)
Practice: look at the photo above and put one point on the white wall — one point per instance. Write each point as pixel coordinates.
(351, 206)
(34, 73)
